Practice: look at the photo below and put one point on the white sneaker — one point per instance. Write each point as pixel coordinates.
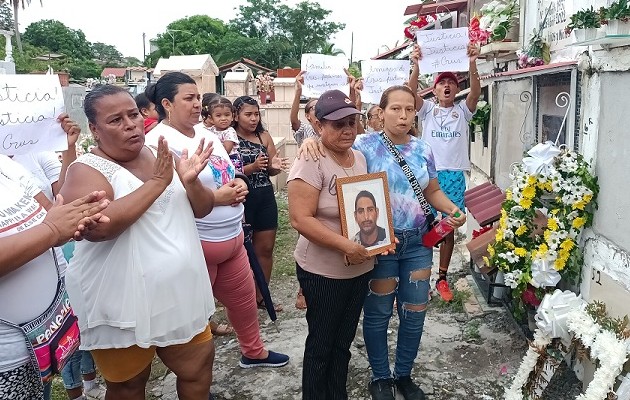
(96, 393)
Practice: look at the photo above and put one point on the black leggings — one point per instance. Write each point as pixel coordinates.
(261, 209)
(334, 308)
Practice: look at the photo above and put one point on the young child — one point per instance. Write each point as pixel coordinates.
(147, 109)
(221, 114)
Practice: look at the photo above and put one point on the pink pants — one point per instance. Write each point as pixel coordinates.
(233, 285)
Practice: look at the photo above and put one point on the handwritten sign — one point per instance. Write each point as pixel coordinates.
(378, 75)
(323, 73)
(443, 50)
(29, 107)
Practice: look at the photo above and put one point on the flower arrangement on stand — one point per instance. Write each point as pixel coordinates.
(481, 117)
(585, 23)
(418, 24)
(495, 21)
(556, 185)
(537, 51)
(264, 82)
(566, 324)
(616, 17)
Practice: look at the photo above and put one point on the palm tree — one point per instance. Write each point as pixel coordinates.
(16, 4)
(329, 49)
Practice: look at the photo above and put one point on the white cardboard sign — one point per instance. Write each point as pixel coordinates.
(378, 75)
(443, 50)
(324, 73)
(29, 107)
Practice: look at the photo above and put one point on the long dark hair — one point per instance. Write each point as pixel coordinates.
(97, 93)
(166, 88)
(239, 102)
(385, 96)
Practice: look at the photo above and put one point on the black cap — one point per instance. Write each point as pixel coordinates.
(333, 105)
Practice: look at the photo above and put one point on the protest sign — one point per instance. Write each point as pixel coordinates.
(29, 107)
(443, 50)
(323, 73)
(378, 75)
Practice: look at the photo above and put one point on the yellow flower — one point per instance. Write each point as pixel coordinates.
(567, 245)
(543, 249)
(547, 235)
(578, 222)
(579, 205)
(526, 203)
(531, 180)
(486, 261)
(491, 250)
(552, 224)
(508, 195)
(587, 198)
(499, 236)
(509, 245)
(529, 192)
(555, 211)
(559, 264)
(521, 252)
(521, 230)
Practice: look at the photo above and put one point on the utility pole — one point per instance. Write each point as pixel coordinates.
(144, 47)
(351, 46)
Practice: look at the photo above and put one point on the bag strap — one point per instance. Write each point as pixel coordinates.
(409, 174)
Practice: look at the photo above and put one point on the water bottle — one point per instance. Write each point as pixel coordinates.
(439, 232)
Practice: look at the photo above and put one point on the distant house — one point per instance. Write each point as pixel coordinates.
(201, 68)
(119, 73)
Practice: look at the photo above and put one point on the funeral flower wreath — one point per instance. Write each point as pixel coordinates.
(553, 184)
(564, 317)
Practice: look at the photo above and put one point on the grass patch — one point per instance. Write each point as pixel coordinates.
(455, 305)
(58, 392)
(286, 238)
(471, 330)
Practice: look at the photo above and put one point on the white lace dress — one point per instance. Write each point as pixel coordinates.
(147, 287)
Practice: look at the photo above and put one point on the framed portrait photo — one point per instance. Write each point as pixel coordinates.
(365, 210)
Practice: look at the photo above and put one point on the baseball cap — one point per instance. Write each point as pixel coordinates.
(333, 105)
(445, 75)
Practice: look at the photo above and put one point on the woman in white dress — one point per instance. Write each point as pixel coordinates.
(139, 285)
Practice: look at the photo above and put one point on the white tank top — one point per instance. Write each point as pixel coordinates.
(149, 286)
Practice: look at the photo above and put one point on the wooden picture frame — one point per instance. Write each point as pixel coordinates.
(373, 222)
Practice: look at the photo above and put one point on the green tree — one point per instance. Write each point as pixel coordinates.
(308, 29)
(107, 54)
(198, 34)
(82, 69)
(286, 32)
(132, 62)
(6, 17)
(58, 38)
(16, 27)
(329, 49)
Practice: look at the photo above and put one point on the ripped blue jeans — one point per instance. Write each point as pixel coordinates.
(407, 272)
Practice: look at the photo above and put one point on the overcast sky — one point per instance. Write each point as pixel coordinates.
(122, 22)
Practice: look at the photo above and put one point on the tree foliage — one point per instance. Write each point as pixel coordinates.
(107, 54)
(6, 17)
(269, 32)
(16, 26)
(58, 38)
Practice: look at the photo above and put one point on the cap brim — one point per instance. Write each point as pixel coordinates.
(341, 113)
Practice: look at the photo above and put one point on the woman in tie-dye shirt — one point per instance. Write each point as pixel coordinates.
(403, 276)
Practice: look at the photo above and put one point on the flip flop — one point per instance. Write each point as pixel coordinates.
(221, 329)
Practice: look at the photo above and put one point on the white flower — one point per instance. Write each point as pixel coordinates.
(481, 104)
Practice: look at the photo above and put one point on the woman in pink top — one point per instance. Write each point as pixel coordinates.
(334, 291)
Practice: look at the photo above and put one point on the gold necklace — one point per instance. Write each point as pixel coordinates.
(351, 168)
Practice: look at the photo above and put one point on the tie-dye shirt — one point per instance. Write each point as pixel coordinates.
(406, 210)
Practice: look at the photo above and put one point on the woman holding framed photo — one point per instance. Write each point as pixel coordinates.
(332, 269)
(403, 276)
